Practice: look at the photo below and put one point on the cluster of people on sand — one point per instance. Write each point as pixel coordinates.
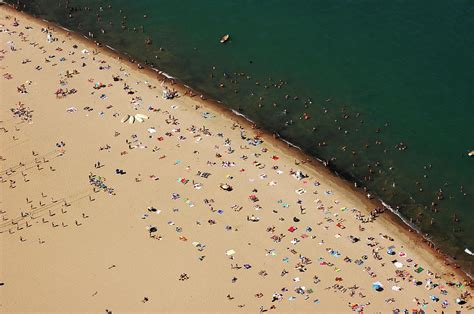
(61, 93)
(21, 89)
(23, 112)
(49, 35)
(169, 94)
(99, 182)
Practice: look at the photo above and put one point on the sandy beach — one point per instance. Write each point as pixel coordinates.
(115, 199)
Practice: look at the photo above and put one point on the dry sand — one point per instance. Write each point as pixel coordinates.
(68, 246)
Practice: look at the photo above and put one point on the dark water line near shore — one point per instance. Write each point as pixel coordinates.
(387, 120)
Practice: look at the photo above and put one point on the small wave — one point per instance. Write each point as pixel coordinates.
(291, 144)
(166, 75)
(66, 29)
(242, 115)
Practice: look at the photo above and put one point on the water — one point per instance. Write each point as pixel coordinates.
(375, 71)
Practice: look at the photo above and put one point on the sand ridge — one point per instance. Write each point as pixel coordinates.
(185, 211)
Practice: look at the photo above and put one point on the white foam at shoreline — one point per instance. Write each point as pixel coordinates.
(111, 48)
(66, 29)
(242, 115)
(290, 144)
(166, 75)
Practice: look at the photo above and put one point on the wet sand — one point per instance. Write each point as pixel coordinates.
(189, 210)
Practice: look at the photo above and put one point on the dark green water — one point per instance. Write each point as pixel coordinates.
(388, 71)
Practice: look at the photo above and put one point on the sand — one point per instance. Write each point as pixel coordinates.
(188, 210)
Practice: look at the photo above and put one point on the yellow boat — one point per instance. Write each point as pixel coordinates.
(471, 153)
(225, 38)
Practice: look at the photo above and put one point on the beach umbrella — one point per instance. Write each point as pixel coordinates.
(460, 301)
(434, 298)
(230, 252)
(125, 118)
(152, 229)
(377, 286)
(152, 209)
(390, 250)
(140, 117)
(226, 187)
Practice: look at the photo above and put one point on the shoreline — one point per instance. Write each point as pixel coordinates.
(392, 221)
